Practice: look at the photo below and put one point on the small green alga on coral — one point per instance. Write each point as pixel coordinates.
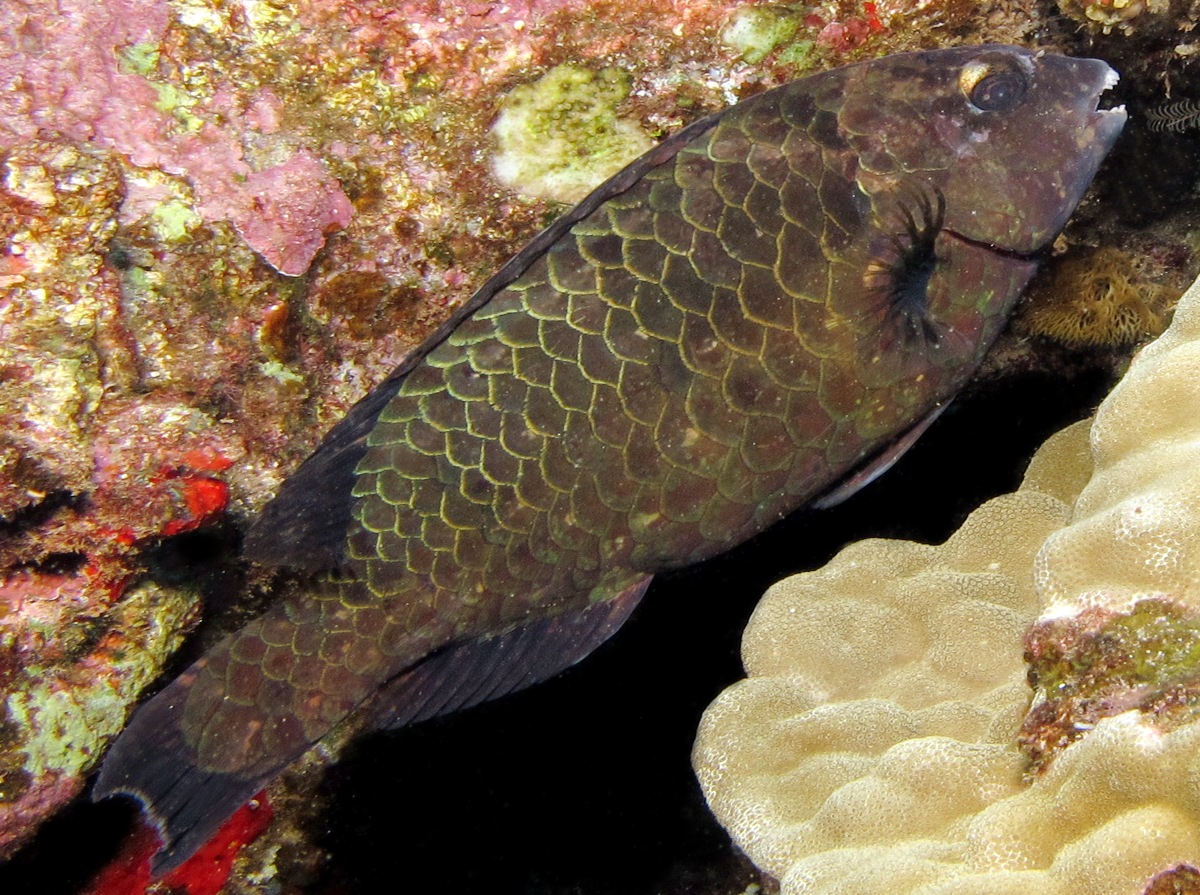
(563, 134)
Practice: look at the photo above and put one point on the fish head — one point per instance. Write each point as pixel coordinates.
(945, 176)
(1010, 137)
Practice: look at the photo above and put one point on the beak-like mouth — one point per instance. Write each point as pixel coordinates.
(1107, 117)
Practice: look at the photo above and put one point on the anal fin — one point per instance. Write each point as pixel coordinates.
(489, 667)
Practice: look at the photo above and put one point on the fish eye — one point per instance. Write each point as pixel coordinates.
(991, 87)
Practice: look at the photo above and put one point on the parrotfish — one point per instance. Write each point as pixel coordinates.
(776, 299)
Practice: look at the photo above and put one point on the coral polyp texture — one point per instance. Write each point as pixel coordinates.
(886, 739)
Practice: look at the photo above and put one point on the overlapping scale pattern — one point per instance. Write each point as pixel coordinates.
(637, 398)
(692, 360)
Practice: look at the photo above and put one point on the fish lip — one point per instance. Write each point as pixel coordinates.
(1031, 256)
(1108, 124)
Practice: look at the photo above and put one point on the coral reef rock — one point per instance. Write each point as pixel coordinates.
(877, 744)
(1098, 299)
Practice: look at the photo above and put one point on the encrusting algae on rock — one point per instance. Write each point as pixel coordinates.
(1097, 299)
(877, 743)
(561, 135)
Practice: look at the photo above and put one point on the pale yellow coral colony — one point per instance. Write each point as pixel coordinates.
(873, 746)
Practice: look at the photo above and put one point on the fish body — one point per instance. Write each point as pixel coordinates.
(719, 334)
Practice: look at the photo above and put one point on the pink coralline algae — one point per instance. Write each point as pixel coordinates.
(293, 205)
(851, 32)
(60, 75)
(84, 77)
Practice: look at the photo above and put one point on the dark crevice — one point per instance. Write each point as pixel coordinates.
(38, 514)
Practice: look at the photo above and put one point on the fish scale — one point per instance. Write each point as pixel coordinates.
(712, 437)
(698, 349)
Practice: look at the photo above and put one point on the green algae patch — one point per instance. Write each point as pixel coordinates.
(139, 59)
(560, 136)
(280, 372)
(755, 31)
(178, 104)
(62, 728)
(173, 220)
(1098, 664)
(1156, 644)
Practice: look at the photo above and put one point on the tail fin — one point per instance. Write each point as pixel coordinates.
(227, 726)
(152, 762)
(242, 713)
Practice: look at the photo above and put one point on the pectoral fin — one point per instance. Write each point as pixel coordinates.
(877, 465)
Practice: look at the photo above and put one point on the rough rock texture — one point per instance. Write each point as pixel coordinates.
(847, 780)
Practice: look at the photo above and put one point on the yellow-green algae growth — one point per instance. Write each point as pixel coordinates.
(61, 730)
(757, 31)
(562, 135)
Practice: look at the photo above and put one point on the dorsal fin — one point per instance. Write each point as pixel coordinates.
(304, 525)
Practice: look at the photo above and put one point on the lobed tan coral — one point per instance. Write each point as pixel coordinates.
(1139, 516)
(877, 746)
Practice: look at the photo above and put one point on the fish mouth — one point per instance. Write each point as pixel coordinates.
(1031, 256)
(1107, 118)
